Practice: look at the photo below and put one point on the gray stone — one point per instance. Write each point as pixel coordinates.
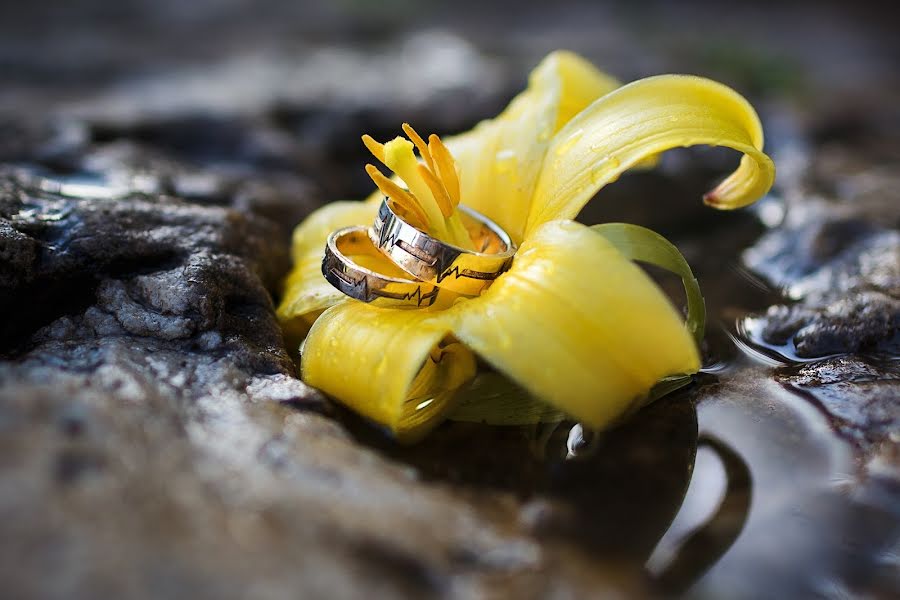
(863, 321)
(859, 396)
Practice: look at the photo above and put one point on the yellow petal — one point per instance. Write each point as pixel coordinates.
(578, 325)
(399, 368)
(306, 293)
(499, 161)
(640, 120)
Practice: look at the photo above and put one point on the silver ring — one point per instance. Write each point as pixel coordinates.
(441, 264)
(364, 284)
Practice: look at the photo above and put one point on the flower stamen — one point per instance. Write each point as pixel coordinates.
(420, 144)
(400, 198)
(433, 194)
(446, 167)
(438, 191)
(374, 147)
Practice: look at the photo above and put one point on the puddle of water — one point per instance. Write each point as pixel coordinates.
(704, 490)
(87, 184)
(748, 337)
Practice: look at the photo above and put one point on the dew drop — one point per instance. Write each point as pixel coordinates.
(569, 142)
(504, 161)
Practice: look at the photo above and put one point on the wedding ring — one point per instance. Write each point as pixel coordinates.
(364, 284)
(439, 263)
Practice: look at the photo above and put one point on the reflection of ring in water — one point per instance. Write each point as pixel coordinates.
(615, 499)
(703, 547)
(623, 493)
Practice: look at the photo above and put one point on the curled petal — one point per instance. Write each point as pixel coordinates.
(306, 293)
(578, 325)
(399, 368)
(626, 127)
(499, 161)
(644, 245)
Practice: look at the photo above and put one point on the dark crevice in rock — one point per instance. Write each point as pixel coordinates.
(40, 304)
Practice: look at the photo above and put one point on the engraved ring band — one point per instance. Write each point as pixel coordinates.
(361, 283)
(441, 264)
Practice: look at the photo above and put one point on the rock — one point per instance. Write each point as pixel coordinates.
(837, 257)
(828, 255)
(859, 396)
(840, 263)
(157, 265)
(866, 321)
(837, 252)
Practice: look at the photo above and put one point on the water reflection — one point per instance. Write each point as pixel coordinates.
(734, 487)
(613, 496)
(86, 184)
(749, 338)
(708, 542)
(622, 496)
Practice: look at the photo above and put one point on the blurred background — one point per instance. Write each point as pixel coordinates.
(89, 46)
(441, 66)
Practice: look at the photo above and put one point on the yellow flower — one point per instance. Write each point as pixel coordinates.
(573, 321)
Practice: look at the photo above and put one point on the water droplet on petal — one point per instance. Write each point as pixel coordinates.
(569, 142)
(505, 161)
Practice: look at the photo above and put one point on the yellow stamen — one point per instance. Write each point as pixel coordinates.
(420, 144)
(414, 219)
(446, 167)
(427, 204)
(400, 158)
(437, 190)
(374, 147)
(399, 196)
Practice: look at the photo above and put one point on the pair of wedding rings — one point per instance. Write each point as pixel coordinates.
(433, 265)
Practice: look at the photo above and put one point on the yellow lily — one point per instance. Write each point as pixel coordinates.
(574, 321)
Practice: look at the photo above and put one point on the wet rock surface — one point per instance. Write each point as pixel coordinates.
(859, 396)
(155, 440)
(835, 259)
